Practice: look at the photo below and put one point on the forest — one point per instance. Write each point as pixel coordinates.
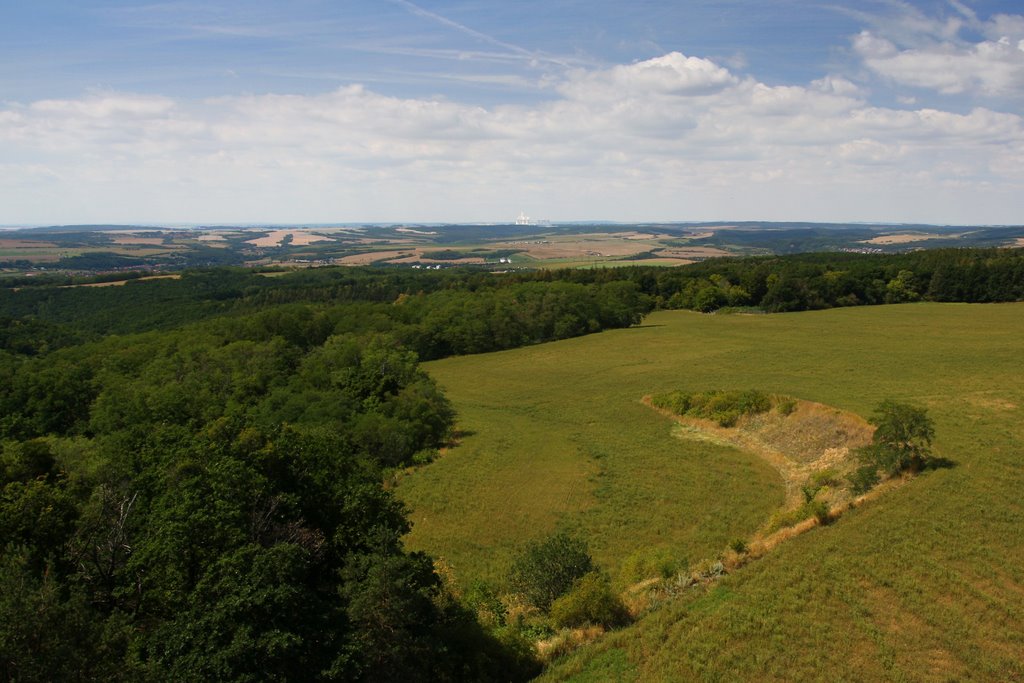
(801, 282)
(192, 469)
(192, 490)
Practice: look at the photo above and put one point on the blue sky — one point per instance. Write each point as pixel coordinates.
(394, 110)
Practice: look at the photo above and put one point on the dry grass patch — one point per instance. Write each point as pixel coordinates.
(812, 438)
(989, 402)
(300, 238)
(656, 262)
(694, 252)
(592, 246)
(906, 238)
(135, 239)
(369, 257)
(566, 641)
(118, 283)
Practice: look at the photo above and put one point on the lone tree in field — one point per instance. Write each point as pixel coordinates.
(902, 440)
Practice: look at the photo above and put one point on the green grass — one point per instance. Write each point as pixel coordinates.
(925, 583)
(560, 439)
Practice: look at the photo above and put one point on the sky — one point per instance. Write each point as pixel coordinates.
(336, 111)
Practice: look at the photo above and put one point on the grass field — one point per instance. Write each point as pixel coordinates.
(925, 583)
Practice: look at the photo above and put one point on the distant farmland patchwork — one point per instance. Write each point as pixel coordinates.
(923, 583)
(86, 249)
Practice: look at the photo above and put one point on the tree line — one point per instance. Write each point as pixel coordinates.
(802, 282)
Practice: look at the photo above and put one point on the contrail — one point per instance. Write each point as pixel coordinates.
(419, 11)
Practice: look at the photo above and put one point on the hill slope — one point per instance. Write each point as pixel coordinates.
(926, 583)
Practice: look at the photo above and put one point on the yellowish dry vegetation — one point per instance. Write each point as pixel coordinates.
(299, 238)
(372, 257)
(694, 252)
(812, 438)
(118, 283)
(135, 239)
(906, 238)
(581, 246)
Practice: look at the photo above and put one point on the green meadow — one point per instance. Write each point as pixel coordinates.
(924, 583)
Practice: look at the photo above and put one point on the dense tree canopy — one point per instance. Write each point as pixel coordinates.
(206, 502)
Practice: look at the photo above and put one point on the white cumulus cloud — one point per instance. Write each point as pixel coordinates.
(671, 74)
(930, 54)
(674, 137)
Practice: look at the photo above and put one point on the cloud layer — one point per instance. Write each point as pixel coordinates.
(922, 52)
(674, 137)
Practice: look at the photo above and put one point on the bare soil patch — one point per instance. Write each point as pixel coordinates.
(905, 238)
(300, 238)
(372, 257)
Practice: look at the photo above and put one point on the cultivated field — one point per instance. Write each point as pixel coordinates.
(84, 249)
(924, 583)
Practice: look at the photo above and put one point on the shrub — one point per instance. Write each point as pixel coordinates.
(425, 456)
(785, 405)
(752, 402)
(818, 481)
(724, 407)
(819, 510)
(726, 418)
(547, 569)
(825, 477)
(590, 601)
(484, 601)
(648, 563)
(863, 479)
(813, 508)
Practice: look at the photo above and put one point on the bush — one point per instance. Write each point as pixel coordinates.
(785, 405)
(822, 478)
(546, 570)
(863, 479)
(726, 418)
(649, 563)
(819, 510)
(752, 402)
(591, 601)
(819, 481)
(724, 407)
(483, 600)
